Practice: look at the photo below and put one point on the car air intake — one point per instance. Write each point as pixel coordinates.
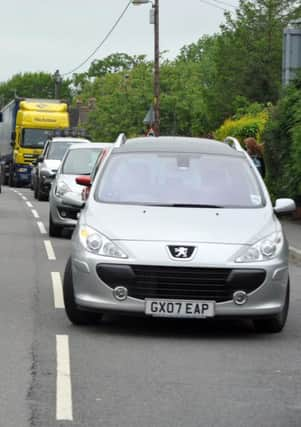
(217, 284)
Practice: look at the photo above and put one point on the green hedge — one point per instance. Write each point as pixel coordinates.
(282, 139)
(244, 127)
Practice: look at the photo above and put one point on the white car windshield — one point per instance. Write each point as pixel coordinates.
(80, 161)
(173, 179)
(58, 149)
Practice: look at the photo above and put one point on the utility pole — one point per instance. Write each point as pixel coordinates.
(154, 19)
(157, 69)
(57, 84)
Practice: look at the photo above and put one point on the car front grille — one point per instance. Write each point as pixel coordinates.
(217, 284)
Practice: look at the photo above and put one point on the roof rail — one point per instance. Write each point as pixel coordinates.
(121, 139)
(233, 143)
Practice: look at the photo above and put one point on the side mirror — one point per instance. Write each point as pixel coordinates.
(73, 200)
(40, 159)
(284, 206)
(84, 180)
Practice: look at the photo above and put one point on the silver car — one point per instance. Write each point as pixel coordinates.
(79, 159)
(48, 163)
(181, 228)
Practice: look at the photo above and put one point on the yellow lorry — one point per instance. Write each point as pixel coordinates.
(24, 128)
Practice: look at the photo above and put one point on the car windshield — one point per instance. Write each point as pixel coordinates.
(57, 149)
(180, 180)
(80, 161)
(34, 138)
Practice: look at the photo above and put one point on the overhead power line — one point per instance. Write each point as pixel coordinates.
(102, 42)
(213, 5)
(220, 2)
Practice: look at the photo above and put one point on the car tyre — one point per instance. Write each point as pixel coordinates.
(11, 178)
(74, 314)
(54, 230)
(276, 323)
(40, 194)
(35, 192)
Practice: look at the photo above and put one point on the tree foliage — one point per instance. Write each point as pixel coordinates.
(215, 78)
(32, 85)
(282, 144)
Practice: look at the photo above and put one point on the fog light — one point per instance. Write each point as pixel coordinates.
(64, 214)
(240, 297)
(120, 293)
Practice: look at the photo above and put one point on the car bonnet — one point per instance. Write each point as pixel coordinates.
(144, 223)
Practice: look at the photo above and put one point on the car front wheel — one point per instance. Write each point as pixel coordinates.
(74, 314)
(40, 195)
(276, 323)
(54, 230)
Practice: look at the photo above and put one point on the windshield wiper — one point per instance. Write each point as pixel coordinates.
(186, 205)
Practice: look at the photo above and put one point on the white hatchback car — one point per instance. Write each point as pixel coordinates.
(182, 228)
(79, 159)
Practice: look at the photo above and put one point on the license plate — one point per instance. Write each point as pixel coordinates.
(173, 308)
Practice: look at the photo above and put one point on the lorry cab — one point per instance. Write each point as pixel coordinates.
(26, 126)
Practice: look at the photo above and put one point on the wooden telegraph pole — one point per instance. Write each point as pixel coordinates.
(156, 69)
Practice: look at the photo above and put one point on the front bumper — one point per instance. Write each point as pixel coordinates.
(22, 173)
(93, 293)
(62, 215)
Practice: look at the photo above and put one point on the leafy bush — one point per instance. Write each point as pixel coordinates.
(243, 127)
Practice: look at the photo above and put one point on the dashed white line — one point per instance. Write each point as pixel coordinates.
(30, 205)
(24, 198)
(57, 290)
(49, 250)
(35, 213)
(42, 227)
(64, 410)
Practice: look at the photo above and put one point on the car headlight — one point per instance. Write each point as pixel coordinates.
(97, 243)
(61, 189)
(264, 250)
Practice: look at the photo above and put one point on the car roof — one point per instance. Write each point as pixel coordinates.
(177, 144)
(69, 139)
(90, 145)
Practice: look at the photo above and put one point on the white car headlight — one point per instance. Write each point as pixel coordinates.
(264, 250)
(97, 243)
(61, 189)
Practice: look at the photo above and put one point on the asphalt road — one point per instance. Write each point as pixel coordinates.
(129, 372)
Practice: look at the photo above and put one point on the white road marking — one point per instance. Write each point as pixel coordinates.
(24, 198)
(42, 227)
(49, 250)
(30, 205)
(57, 290)
(35, 213)
(63, 380)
